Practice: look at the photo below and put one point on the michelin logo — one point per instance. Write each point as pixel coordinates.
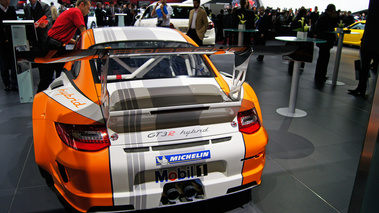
(181, 158)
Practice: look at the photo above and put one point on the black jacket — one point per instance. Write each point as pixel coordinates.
(100, 17)
(35, 14)
(323, 28)
(5, 34)
(263, 24)
(370, 41)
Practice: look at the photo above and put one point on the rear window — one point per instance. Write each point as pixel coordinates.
(151, 67)
(177, 12)
(145, 66)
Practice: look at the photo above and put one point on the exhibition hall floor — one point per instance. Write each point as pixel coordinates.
(311, 162)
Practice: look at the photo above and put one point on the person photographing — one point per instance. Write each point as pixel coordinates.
(163, 12)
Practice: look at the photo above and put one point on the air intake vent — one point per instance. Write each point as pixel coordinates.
(138, 149)
(56, 84)
(178, 146)
(219, 140)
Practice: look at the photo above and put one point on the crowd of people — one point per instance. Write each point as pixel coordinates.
(274, 22)
(106, 14)
(270, 22)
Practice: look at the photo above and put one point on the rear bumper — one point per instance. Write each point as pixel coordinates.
(118, 178)
(139, 180)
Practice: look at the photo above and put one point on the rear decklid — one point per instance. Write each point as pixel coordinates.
(154, 108)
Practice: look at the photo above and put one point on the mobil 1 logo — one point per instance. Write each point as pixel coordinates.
(181, 173)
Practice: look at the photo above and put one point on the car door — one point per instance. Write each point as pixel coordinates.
(146, 20)
(354, 38)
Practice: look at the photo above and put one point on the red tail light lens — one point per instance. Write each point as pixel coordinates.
(83, 137)
(172, 26)
(210, 25)
(248, 121)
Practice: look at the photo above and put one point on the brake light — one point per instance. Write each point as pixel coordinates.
(210, 25)
(83, 137)
(172, 26)
(248, 121)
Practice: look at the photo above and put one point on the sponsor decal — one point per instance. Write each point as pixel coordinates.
(114, 137)
(161, 134)
(234, 124)
(186, 133)
(181, 173)
(180, 158)
(70, 97)
(193, 131)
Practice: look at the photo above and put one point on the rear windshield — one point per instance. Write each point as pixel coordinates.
(145, 66)
(177, 12)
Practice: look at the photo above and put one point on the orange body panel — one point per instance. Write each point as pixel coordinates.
(85, 170)
(87, 40)
(86, 83)
(255, 144)
(220, 80)
(88, 182)
(250, 100)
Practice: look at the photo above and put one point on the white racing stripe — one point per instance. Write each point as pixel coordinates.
(70, 98)
(113, 34)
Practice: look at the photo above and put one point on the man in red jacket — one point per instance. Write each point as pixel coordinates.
(66, 25)
(62, 33)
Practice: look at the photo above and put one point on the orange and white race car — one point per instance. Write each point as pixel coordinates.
(140, 118)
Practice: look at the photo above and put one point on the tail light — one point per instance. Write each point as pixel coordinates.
(83, 137)
(248, 121)
(172, 26)
(210, 25)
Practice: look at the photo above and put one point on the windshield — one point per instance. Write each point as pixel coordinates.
(359, 26)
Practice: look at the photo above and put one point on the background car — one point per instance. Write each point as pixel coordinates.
(354, 38)
(91, 23)
(141, 120)
(179, 20)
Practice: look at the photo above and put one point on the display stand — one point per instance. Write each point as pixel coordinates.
(121, 16)
(291, 110)
(334, 81)
(240, 33)
(24, 69)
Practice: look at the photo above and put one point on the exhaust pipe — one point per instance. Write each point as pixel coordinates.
(172, 195)
(189, 192)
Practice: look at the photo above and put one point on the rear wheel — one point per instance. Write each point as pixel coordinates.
(93, 25)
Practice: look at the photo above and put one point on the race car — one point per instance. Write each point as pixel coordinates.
(140, 118)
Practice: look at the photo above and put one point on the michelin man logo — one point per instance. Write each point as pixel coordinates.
(162, 161)
(181, 158)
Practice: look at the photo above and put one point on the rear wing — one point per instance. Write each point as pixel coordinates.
(299, 51)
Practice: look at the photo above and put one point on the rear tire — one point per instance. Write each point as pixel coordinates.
(93, 25)
(46, 176)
